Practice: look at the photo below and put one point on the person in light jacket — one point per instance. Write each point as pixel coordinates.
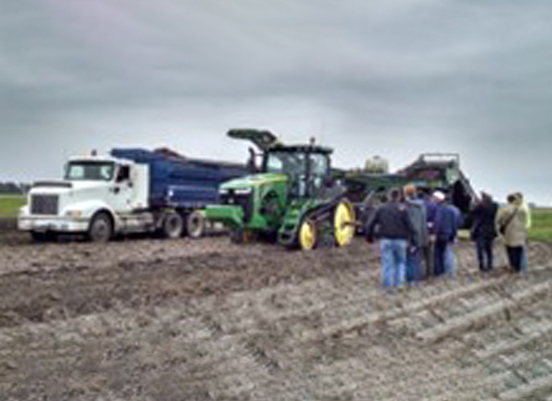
(511, 225)
(527, 210)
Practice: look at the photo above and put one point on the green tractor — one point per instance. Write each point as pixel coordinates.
(291, 196)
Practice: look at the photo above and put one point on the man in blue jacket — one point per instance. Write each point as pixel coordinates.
(392, 226)
(445, 226)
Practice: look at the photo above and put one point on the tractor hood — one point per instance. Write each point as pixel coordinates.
(254, 181)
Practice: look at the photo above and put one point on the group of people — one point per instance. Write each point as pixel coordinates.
(510, 222)
(416, 233)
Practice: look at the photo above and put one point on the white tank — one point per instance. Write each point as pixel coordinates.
(376, 164)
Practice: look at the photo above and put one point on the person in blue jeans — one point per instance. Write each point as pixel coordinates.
(445, 226)
(391, 224)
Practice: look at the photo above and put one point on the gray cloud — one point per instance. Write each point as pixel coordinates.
(394, 78)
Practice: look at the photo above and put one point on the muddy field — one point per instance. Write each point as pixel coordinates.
(207, 320)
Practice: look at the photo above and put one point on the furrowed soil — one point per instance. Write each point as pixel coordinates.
(209, 320)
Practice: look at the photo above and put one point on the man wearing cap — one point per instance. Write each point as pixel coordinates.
(420, 239)
(444, 229)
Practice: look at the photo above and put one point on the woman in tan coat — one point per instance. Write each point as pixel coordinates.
(511, 225)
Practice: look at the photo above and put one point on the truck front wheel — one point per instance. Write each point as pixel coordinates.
(101, 228)
(172, 225)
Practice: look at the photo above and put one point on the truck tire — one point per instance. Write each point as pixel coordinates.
(173, 225)
(195, 224)
(101, 228)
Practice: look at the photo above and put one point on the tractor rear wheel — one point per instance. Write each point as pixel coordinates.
(307, 239)
(344, 223)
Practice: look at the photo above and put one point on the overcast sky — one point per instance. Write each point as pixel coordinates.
(368, 77)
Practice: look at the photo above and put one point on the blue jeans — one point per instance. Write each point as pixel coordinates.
(393, 262)
(444, 258)
(450, 265)
(414, 264)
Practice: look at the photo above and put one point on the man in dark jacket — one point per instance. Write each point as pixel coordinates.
(417, 213)
(394, 231)
(483, 230)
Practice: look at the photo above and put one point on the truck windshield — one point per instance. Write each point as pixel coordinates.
(90, 170)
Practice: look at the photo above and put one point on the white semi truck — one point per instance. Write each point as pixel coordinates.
(130, 191)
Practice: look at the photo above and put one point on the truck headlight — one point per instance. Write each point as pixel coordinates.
(73, 214)
(242, 191)
(223, 191)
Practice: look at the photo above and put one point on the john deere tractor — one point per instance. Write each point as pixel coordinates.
(291, 196)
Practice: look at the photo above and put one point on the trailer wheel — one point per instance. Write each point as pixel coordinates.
(195, 224)
(101, 228)
(173, 225)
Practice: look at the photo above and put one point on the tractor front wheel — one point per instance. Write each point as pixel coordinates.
(307, 235)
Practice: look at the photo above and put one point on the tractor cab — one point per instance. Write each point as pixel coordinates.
(307, 168)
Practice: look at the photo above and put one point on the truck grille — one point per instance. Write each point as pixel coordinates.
(245, 201)
(44, 204)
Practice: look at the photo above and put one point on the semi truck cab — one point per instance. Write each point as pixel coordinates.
(95, 196)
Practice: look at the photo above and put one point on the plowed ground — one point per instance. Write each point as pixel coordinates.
(207, 320)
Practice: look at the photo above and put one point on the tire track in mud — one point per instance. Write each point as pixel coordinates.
(271, 325)
(71, 291)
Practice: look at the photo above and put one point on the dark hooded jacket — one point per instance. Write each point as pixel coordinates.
(483, 220)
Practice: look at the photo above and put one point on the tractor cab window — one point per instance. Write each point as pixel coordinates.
(293, 164)
(318, 168)
(289, 163)
(90, 170)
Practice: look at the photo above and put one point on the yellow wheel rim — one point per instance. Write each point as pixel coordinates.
(307, 235)
(344, 218)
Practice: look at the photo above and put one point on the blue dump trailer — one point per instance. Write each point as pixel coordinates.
(130, 191)
(179, 182)
(181, 185)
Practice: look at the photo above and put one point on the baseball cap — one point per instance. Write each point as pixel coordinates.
(439, 196)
